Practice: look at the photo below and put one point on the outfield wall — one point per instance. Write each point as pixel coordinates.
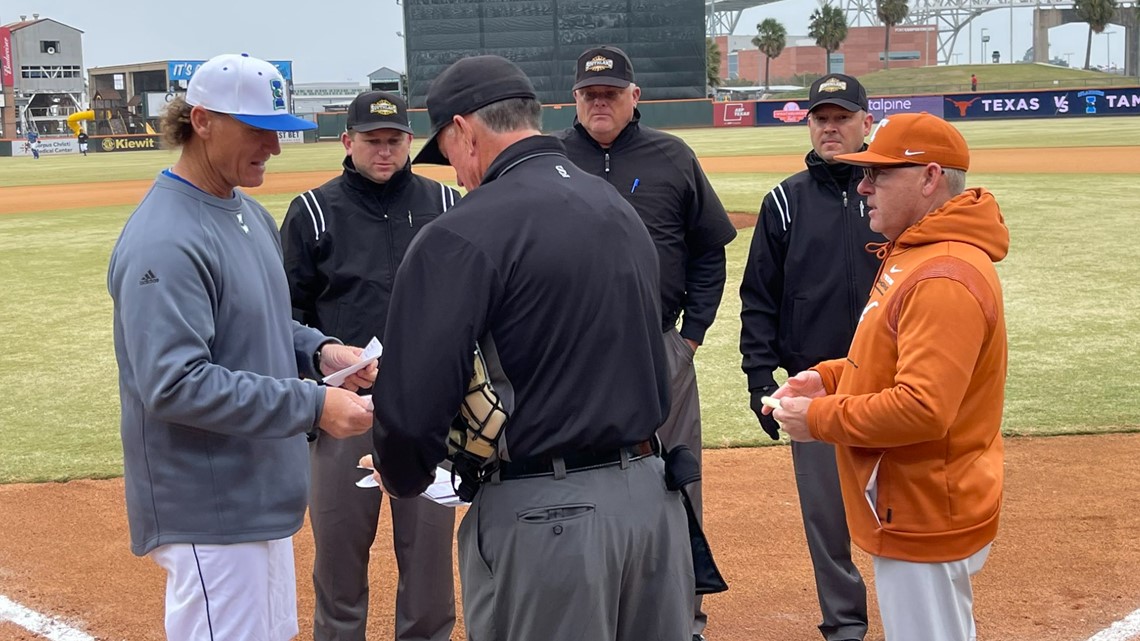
(662, 114)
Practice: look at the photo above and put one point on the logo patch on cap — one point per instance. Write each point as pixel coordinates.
(383, 107)
(599, 63)
(833, 84)
(278, 94)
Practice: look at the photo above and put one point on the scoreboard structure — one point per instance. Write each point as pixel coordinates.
(665, 39)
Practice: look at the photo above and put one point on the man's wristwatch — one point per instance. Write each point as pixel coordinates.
(317, 358)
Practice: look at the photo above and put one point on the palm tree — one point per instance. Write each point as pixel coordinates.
(828, 26)
(712, 63)
(771, 38)
(1097, 13)
(891, 12)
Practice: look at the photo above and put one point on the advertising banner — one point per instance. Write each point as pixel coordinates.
(290, 137)
(734, 114)
(882, 107)
(47, 146)
(124, 143)
(1042, 104)
(778, 112)
(7, 77)
(181, 70)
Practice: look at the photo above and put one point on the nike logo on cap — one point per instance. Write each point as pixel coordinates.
(908, 152)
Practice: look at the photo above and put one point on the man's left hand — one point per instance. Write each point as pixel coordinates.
(693, 345)
(336, 357)
(792, 416)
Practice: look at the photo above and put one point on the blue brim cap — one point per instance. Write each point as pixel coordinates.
(277, 122)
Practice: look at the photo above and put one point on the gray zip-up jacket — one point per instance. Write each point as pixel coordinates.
(214, 415)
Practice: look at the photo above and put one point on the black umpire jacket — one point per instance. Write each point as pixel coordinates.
(556, 277)
(808, 274)
(343, 242)
(661, 177)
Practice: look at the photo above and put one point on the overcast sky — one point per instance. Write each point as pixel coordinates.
(339, 41)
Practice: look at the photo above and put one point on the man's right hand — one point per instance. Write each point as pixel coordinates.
(767, 421)
(345, 414)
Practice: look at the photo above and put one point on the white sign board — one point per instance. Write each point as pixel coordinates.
(47, 146)
(290, 137)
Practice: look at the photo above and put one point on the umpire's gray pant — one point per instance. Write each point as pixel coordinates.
(597, 554)
(838, 585)
(684, 427)
(344, 519)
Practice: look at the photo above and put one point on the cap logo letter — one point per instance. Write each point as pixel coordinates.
(882, 123)
(599, 63)
(833, 84)
(383, 108)
(278, 94)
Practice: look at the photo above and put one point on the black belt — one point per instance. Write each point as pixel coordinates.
(576, 461)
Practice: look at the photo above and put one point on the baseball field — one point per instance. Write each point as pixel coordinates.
(1063, 567)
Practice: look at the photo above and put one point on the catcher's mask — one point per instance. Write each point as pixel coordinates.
(476, 429)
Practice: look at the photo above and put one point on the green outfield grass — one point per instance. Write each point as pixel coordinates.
(1072, 303)
(745, 141)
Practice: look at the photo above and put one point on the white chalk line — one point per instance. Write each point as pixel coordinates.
(36, 623)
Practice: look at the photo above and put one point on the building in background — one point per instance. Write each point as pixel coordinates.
(861, 53)
(319, 97)
(390, 80)
(41, 70)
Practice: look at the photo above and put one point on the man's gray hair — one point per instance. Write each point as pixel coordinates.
(512, 114)
(955, 181)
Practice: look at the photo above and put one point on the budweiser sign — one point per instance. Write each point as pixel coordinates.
(6, 57)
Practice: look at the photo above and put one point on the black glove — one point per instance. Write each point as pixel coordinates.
(767, 422)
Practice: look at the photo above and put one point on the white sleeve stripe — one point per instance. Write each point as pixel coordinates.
(320, 212)
(780, 198)
(312, 216)
(451, 195)
(443, 196)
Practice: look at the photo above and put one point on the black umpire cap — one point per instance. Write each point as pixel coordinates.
(838, 89)
(465, 87)
(603, 65)
(378, 110)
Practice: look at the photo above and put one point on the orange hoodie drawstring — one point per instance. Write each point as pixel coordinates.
(881, 251)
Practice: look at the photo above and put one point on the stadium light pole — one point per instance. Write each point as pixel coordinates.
(985, 38)
(1108, 49)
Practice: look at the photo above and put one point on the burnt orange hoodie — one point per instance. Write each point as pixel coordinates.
(915, 409)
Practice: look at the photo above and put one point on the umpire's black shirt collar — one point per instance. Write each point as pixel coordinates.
(523, 150)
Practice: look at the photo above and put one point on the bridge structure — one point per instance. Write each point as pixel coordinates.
(951, 18)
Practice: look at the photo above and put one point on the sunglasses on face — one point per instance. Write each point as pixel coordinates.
(874, 174)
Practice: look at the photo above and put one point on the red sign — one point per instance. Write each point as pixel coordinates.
(734, 114)
(8, 78)
(792, 112)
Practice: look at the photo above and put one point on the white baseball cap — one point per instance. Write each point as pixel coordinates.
(247, 88)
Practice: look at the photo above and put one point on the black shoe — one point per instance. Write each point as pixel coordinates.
(698, 637)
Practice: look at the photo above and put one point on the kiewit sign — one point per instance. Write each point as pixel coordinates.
(124, 143)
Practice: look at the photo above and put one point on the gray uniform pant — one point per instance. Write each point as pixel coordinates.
(344, 519)
(928, 601)
(683, 427)
(597, 554)
(838, 585)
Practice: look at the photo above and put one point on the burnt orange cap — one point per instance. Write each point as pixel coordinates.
(913, 139)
